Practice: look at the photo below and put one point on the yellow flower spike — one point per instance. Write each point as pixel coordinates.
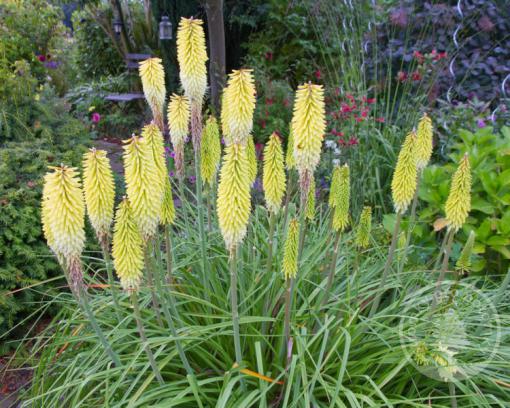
(273, 177)
(233, 204)
(424, 142)
(403, 184)
(45, 219)
(333, 190)
(143, 185)
(192, 58)
(154, 139)
(290, 162)
(210, 155)
(310, 201)
(127, 248)
(238, 106)
(458, 203)
(64, 213)
(167, 207)
(364, 227)
(152, 75)
(290, 251)
(308, 126)
(178, 126)
(463, 264)
(343, 194)
(99, 192)
(252, 159)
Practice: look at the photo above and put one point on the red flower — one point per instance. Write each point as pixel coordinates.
(419, 56)
(345, 108)
(416, 76)
(96, 117)
(41, 58)
(443, 54)
(364, 114)
(269, 56)
(263, 124)
(318, 74)
(380, 120)
(269, 101)
(350, 97)
(285, 102)
(353, 141)
(371, 100)
(401, 76)
(359, 120)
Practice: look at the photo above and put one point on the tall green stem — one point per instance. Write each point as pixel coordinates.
(444, 267)
(83, 300)
(441, 251)
(288, 305)
(387, 265)
(233, 301)
(111, 282)
(269, 264)
(331, 273)
(168, 250)
(412, 221)
(141, 331)
(150, 282)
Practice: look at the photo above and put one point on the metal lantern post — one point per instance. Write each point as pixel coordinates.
(165, 28)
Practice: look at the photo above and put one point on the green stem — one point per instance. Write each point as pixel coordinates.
(387, 265)
(444, 267)
(269, 264)
(168, 249)
(441, 251)
(288, 195)
(233, 301)
(209, 210)
(200, 207)
(331, 274)
(83, 300)
(184, 211)
(288, 305)
(150, 282)
(453, 398)
(111, 282)
(141, 331)
(410, 228)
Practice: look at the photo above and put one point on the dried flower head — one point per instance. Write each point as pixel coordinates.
(363, 231)
(308, 126)
(458, 203)
(273, 178)
(290, 251)
(127, 248)
(343, 194)
(99, 189)
(143, 185)
(403, 184)
(210, 147)
(192, 58)
(238, 106)
(424, 142)
(152, 75)
(233, 205)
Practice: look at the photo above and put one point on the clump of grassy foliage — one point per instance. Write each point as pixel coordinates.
(325, 319)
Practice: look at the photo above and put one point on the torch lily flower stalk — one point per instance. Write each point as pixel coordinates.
(152, 75)
(178, 125)
(63, 222)
(403, 188)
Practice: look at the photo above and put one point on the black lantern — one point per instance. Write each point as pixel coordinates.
(117, 26)
(165, 29)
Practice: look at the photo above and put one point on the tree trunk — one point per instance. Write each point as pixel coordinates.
(215, 27)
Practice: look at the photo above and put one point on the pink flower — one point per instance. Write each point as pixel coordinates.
(41, 58)
(419, 56)
(416, 76)
(353, 141)
(380, 120)
(96, 117)
(364, 114)
(269, 101)
(371, 100)
(401, 76)
(318, 74)
(268, 56)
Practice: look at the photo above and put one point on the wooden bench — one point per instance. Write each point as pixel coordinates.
(132, 63)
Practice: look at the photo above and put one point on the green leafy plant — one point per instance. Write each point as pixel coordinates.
(489, 154)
